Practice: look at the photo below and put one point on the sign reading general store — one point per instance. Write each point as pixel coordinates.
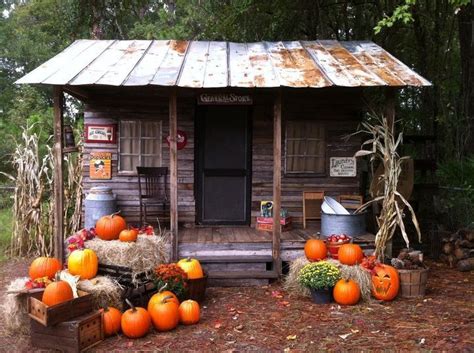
(224, 99)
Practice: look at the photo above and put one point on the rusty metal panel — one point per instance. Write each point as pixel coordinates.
(350, 64)
(294, 66)
(387, 63)
(194, 67)
(102, 63)
(216, 74)
(261, 67)
(239, 66)
(75, 65)
(168, 73)
(148, 65)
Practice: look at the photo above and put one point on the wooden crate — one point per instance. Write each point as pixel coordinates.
(70, 336)
(139, 293)
(52, 315)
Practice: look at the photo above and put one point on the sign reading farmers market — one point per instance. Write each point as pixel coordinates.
(343, 167)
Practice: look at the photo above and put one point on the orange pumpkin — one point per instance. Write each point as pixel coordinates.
(112, 321)
(158, 297)
(315, 250)
(56, 293)
(385, 282)
(109, 227)
(346, 292)
(83, 263)
(189, 312)
(44, 267)
(192, 267)
(350, 254)
(135, 322)
(128, 235)
(164, 314)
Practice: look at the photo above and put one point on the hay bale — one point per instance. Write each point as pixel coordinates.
(356, 273)
(143, 255)
(104, 290)
(14, 308)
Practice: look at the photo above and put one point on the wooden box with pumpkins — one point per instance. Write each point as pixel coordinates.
(115, 279)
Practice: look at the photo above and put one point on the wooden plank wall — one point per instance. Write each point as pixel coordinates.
(338, 109)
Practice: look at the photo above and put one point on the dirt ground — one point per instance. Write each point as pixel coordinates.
(266, 319)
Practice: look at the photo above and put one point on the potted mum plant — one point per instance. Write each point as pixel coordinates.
(171, 277)
(320, 277)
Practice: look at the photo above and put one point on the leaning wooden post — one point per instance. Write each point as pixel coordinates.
(173, 118)
(58, 101)
(276, 183)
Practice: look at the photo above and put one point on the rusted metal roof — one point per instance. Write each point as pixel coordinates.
(205, 64)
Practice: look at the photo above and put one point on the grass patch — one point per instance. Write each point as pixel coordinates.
(5, 230)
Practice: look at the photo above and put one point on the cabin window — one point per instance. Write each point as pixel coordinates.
(305, 151)
(139, 145)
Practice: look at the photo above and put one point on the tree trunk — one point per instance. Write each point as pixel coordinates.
(466, 43)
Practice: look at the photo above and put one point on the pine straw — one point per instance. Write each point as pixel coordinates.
(14, 308)
(356, 273)
(104, 290)
(141, 256)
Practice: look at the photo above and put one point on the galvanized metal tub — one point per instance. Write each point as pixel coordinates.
(99, 202)
(351, 224)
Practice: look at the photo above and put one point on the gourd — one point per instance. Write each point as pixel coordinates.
(189, 312)
(346, 292)
(315, 250)
(83, 263)
(44, 267)
(135, 322)
(109, 227)
(350, 254)
(192, 267)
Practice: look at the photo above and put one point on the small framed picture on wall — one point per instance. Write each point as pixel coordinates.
(101, 133)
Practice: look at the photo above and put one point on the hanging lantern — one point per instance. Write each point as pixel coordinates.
(68, 137)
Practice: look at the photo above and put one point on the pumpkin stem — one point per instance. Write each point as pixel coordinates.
(57, 276)
(130, 304)
(188, 259)
(165, 299)
(162, 288)
(115, 213)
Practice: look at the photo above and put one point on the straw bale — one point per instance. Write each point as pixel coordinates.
(14, 308)
(356, 273)
(140, 256)
(104, 290)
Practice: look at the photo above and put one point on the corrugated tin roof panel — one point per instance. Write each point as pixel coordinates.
(198, 64)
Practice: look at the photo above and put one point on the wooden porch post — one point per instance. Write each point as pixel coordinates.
(58, 101)
(173, 118)
(276, 183)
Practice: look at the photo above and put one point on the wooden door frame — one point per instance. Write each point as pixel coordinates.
(200, 112)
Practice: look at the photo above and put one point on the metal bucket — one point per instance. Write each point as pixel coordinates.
(351, 224)
(100, 202)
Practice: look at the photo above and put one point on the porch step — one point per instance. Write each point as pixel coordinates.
(242, 275)
(235, 259)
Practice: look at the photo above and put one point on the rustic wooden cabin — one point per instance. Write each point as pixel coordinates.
(234, 124)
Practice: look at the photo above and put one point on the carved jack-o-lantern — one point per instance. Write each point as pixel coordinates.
(385, 282)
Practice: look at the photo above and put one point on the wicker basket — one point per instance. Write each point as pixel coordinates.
(413, 283)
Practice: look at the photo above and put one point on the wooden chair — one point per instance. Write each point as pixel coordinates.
(152, 188)
(312, 201)
(350, 202)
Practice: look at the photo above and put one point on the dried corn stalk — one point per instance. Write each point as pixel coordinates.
(384, 145)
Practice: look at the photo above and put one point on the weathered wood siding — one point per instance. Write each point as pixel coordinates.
(338, 109)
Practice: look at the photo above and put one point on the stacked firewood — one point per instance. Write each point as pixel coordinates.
(457, 249)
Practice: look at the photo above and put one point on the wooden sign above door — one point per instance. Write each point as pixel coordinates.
(224, 99)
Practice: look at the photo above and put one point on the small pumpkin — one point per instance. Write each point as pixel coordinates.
(56, 293)
(112, 321)
(350, 254)
(192, 267)
(128, 235)
(189, 312)
(44, 267)
(83, 263)
(346, 292)
(385, 282)
(164, 314)
(135, 322)
(109, 227)
(315, 250)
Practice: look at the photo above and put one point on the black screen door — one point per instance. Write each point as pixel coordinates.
(223, 165)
